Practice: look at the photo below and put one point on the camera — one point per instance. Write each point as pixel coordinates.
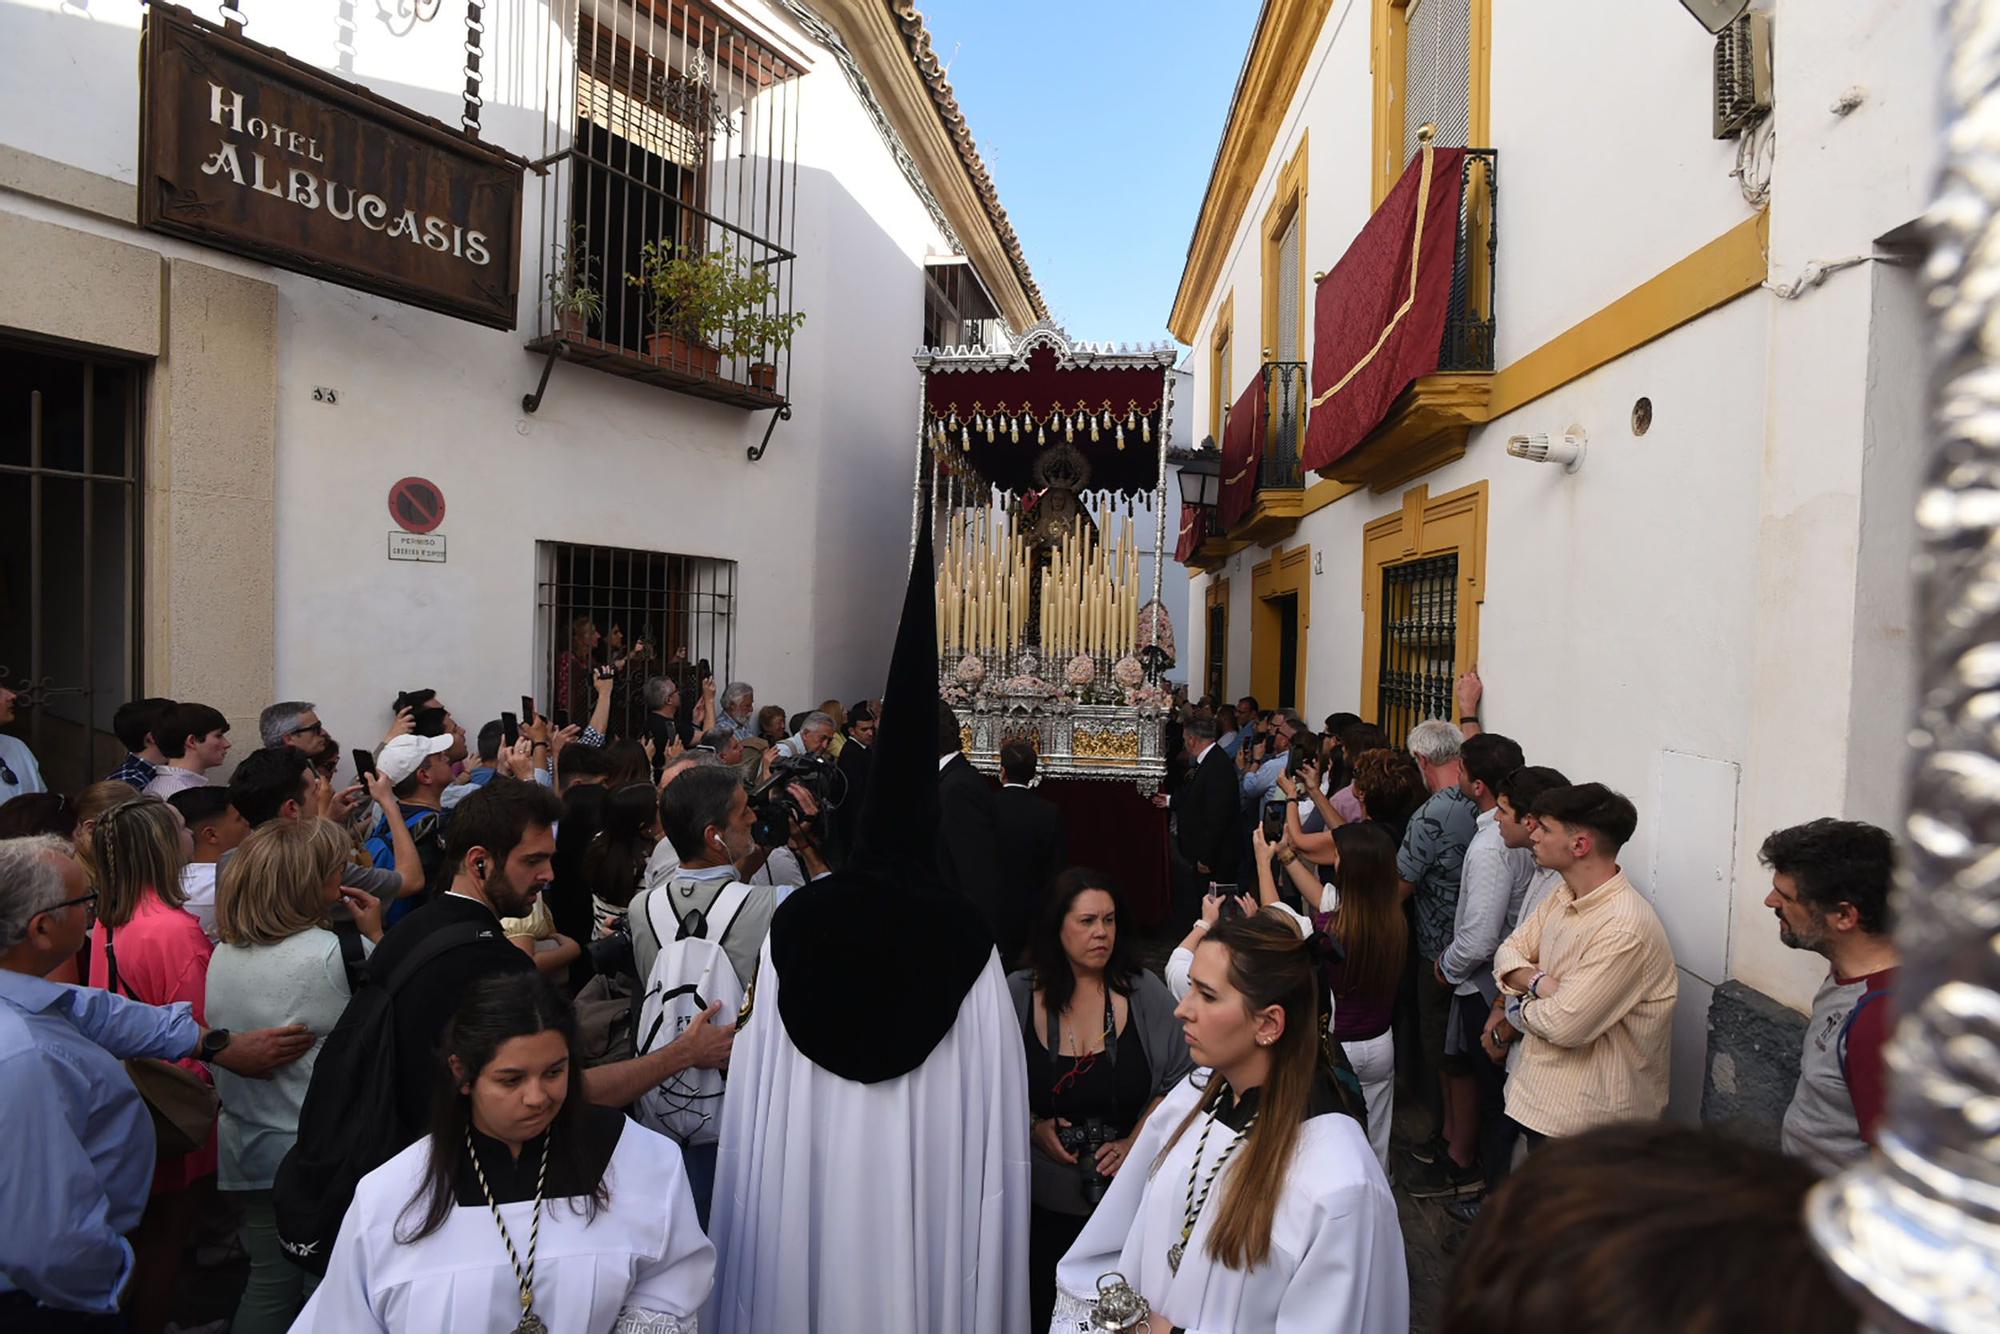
(1304, 751)
(1083, 1140)
(777, 809)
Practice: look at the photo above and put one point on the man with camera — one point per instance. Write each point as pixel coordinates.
(719, 835)
(1268, 756)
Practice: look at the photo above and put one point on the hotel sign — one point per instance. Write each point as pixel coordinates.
(245, 149)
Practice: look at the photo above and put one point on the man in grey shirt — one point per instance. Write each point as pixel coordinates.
(1492, 880)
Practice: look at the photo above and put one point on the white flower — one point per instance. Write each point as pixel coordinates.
(1082, 671)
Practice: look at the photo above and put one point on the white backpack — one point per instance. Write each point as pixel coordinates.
(690, 974)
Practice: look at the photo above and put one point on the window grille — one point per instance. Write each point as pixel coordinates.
(1419, 644)
(1285, 423)
(1437, 73)
(655, 614)
(674, 127)
(69, 555)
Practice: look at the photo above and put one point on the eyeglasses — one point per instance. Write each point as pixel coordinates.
(310, 727)
(90, 898)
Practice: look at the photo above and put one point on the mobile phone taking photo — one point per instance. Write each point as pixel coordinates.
(364, 765)
(510, 729)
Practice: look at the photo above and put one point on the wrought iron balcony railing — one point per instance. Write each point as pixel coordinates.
(1468, 326)
(669, 212)
(1285, 397)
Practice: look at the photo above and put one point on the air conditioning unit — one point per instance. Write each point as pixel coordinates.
(1742, 74)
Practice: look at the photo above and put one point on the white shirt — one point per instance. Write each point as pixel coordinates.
(21, 760)
(943, 760)
(644, 1252)
(198, 883)
(1491, 883)
(1336, 1264)
(170, 780)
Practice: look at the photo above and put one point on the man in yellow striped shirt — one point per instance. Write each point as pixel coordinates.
(1593, 975)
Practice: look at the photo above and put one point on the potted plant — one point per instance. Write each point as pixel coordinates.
(708, 305)
(573, 301)
(691, 298)
(759, 331)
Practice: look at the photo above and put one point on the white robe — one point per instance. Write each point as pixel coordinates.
(899, 1207)
(1336, 1264)
(645, 1252)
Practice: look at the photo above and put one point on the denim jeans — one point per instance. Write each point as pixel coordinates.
(277, 1289)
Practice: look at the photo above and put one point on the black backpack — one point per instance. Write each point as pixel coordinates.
(349, 1126)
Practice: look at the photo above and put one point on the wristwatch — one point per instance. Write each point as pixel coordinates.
(212, 1044)
(1468, 718)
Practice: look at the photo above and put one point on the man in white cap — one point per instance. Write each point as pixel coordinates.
(419, 770)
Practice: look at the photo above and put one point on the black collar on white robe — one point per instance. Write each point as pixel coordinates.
(513, 1179)
(1235, 1110)
(875, 959)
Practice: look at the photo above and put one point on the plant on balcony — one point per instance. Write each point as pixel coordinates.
(573, 301)
(708, 305)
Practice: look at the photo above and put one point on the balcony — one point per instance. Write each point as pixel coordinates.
(1427, 423)
(669, 214)
(1263, 484)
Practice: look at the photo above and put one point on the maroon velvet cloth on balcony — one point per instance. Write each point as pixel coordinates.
(1040, 388)
(1365, 301)
(1242, 451)
(1194, 530)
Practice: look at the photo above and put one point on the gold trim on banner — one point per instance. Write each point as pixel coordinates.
(1416, 254)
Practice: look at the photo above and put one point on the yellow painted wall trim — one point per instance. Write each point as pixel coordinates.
(1388, 47)
(1222, 337)
(1724, 269)
(1323, 493)
(1287, 572)
(1287, 31)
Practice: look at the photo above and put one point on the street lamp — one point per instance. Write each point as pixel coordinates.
(1201, 474)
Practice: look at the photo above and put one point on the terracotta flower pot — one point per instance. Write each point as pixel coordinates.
(670, 349)
(764, 376)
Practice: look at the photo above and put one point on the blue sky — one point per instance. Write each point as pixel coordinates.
(1098, 120)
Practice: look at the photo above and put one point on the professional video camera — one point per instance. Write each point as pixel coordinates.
(777, 809)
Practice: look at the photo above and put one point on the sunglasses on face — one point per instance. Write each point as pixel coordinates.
(319, 728)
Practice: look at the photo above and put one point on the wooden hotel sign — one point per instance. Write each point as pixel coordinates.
(245, 149)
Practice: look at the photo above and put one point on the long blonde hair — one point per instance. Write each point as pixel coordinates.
(137, 846)
(1269, 964)
(271, 889)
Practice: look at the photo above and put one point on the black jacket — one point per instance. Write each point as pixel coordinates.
(854, 763)
(1034, 847)
(1205, 810)
(968, 849)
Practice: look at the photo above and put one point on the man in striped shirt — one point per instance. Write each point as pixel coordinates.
(1594, 976)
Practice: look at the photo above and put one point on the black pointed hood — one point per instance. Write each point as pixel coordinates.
(885, 924)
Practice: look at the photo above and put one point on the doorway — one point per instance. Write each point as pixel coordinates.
(69, 554)
(1287, 609)
(1281, 619)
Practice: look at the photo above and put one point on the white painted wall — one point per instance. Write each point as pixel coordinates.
(1726, 595)
(818, 529)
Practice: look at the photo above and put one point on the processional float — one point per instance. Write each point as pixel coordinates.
(1045, 467)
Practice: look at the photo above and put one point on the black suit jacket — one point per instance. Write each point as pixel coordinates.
(968, 848)
(1205, 810)
(1034, 848)
(854, 762)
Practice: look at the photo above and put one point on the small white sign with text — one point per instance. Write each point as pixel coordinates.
(417, 546)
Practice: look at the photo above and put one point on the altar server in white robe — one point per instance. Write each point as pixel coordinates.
(1253, 1203)
(873, 1168)
(526, 1208)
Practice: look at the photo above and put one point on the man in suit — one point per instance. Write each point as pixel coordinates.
(968, 850)
(1204, 819)
(1034, 846)
(853, 762)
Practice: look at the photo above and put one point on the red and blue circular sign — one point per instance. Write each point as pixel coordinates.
(416, 504)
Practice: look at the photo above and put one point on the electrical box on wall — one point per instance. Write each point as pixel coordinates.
(1742, 74)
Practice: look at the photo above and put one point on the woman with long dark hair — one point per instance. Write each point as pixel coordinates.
(614, 865)
(1102, 1049)
(1254, 1202)
(527, 1207)
(1355, 902)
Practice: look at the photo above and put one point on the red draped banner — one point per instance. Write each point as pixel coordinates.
(1242, 451)
(1379, 315)
(1194, 531)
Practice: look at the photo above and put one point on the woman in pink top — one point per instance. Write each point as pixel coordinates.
(161, 955)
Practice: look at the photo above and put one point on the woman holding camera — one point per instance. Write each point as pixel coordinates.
(1102, 1047)
(1253, 1203)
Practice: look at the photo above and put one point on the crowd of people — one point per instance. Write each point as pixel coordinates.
(447, 1045)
